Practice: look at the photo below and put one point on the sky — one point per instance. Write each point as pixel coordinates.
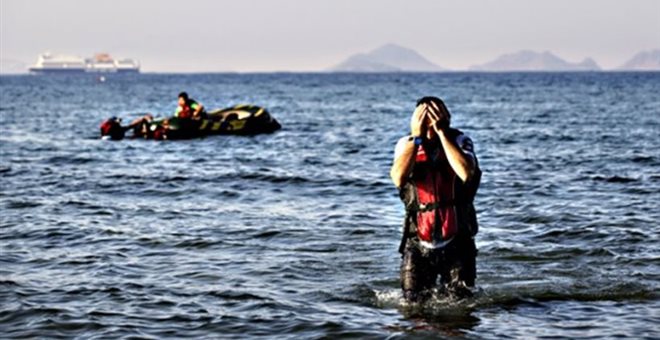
(313, 35)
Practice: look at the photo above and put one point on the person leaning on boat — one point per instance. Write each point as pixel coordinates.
(187, 116)
(188, 108)
(437, 174)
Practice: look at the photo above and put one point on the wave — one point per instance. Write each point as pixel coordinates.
(511, 296)
(615, 179)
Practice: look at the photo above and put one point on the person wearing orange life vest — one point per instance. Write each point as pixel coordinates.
(188, 108)
(437, 174)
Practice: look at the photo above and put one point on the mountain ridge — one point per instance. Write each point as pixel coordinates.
(529, 60)
(643, 61)
(387, 58)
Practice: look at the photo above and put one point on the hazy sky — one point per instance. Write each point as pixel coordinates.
(304, 35)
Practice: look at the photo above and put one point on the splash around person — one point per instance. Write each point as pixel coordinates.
(437, 174)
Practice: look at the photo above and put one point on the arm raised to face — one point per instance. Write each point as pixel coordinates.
(463, 163)
(404, 158)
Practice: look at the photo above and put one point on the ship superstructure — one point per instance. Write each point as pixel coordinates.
(100, 63)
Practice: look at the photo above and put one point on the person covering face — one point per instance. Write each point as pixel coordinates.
(437, 174)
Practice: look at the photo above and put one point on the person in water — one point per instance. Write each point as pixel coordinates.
(188, 108)
(437, 174)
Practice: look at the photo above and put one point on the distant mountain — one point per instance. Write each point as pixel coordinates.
(643, 61)
(387, 58)
(11, 66)
(535, 61)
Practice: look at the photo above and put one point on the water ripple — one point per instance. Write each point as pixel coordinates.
(294, 234)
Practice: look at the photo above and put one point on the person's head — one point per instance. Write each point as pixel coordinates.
(183, 98)
(437, 105)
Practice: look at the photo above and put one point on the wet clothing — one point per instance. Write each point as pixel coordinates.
(454, 263)
(440, 219)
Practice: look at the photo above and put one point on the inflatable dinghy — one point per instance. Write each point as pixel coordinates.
(236, 120)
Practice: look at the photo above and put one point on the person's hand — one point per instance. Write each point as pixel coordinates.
(417, 121)
(438, 121)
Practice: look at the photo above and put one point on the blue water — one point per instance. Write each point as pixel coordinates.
(295, 234)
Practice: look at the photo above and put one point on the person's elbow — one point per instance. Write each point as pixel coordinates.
(468, 171)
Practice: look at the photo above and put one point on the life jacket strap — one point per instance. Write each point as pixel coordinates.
(424, 207)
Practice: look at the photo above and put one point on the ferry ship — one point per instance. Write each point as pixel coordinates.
(48, 63)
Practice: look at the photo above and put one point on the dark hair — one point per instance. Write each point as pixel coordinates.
(435, 101)
(183, 95)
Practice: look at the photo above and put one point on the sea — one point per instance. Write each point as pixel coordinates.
(295, 234)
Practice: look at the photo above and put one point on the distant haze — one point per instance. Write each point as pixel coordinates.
(299, 35)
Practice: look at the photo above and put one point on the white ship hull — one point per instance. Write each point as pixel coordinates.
(101, 63)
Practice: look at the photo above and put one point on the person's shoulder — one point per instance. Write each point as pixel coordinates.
(460, 138)
(402, 141)
(464, 141)
(400, 144)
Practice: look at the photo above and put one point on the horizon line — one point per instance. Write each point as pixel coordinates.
(325, 72)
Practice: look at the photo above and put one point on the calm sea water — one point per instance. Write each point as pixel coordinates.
(295, 234)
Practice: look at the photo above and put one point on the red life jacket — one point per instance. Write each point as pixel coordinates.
(438, 204)
(106, 127)
(186, 112)
(434, 181)
(112, 128)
